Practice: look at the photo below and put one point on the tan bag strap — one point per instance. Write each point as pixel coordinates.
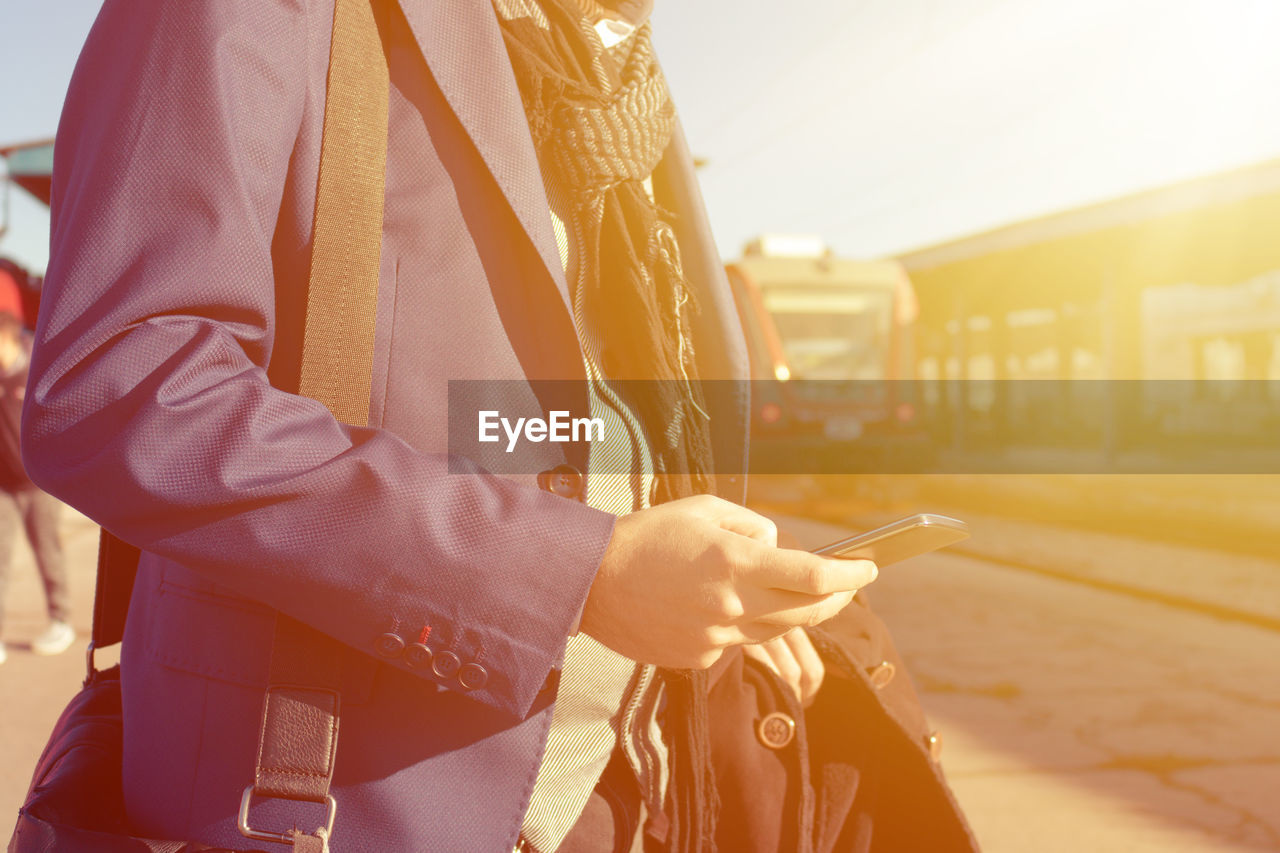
(299, 736)
(342, 297)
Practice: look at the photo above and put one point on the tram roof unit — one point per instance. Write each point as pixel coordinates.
(786, 261)
(30, 166)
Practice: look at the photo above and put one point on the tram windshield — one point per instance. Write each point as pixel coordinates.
(832, 334)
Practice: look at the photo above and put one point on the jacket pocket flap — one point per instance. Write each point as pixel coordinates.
(229, 639)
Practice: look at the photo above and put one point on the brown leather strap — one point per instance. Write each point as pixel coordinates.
(299, 736)
(299, 739)
(308, 843)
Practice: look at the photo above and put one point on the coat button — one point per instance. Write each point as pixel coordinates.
(473, 676)
(445, 664)
(934, 743)
(417, 656)
(881, 675)
(776, 730)
(389, 645)
(562, 480)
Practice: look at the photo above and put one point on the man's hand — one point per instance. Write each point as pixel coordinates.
(793, 658)
(683, 581)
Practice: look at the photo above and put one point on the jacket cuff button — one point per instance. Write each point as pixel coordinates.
(417, 656)
(473, 676)
(445, 664)
(389, 645)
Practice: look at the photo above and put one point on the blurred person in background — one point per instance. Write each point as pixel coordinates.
(28, 285)
(23, 501)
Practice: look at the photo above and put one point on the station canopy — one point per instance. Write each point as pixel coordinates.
(1215, 231)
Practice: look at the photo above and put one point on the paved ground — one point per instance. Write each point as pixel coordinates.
(1232, 513)
(1247, 585)
(1077, 719)
(1074, 719)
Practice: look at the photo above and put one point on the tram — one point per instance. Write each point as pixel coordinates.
(828, 338)
(28, 165)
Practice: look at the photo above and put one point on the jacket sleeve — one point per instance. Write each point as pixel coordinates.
(150, 407)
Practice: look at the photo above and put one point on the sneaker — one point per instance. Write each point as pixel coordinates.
(55, 640)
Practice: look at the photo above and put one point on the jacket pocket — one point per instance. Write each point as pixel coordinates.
(229, 638)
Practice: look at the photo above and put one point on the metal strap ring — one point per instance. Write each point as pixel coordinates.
(247, 831)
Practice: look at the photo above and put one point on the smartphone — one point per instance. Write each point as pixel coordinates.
(905, 538)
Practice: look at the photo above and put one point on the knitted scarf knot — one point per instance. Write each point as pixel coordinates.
(618, 137)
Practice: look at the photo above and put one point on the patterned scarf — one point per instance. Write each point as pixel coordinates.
(599, 129)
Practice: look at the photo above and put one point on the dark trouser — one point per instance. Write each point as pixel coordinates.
(38, 512)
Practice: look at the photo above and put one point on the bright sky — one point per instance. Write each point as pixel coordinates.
(881, 125)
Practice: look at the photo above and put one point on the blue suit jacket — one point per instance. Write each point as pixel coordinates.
(184, 191)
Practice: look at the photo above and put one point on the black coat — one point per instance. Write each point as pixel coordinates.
(861, 773)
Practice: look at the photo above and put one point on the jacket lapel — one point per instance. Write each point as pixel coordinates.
(462, 44)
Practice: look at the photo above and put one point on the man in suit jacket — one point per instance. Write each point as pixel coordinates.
(183, 213)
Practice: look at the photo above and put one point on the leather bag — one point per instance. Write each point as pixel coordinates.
(76, 803)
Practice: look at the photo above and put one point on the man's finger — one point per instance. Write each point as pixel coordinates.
(766, 603)
(809, 614)
(785, 664)
(779, 663)
(800, 571)
(793, 659)
(758, 654)
(809, 662)
(744, 522)
(755, 633)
